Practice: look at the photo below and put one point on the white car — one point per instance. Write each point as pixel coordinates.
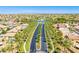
(77, 46)
(1, 43)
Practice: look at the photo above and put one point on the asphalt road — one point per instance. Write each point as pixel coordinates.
(33, 42)
(43, 40)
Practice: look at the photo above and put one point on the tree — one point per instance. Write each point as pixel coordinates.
(66, 44)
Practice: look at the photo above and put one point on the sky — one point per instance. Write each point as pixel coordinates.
(39, 9)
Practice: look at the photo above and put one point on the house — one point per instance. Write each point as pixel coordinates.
(73, 36)
(9, 36)
(65, 31)
(23, 26)
(18, 28)
(3, 27)
(59, 25)
(63, 28)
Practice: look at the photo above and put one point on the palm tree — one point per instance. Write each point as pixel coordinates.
(66, 44)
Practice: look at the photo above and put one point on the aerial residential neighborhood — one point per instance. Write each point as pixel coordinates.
(40, 33)
(39, 30)
(8, 32)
